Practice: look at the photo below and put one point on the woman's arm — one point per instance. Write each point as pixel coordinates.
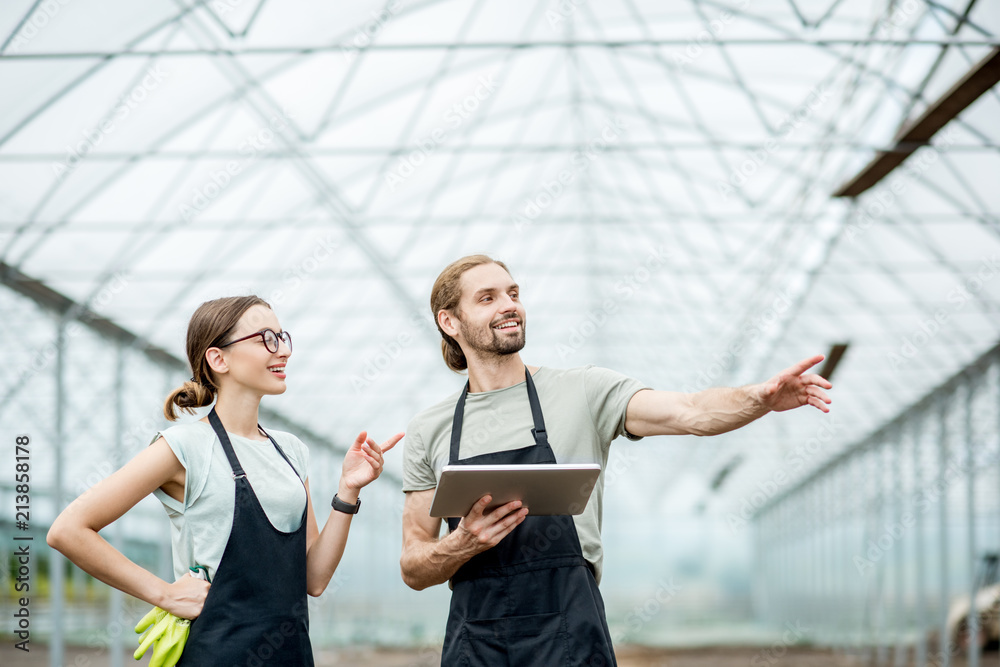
(362, 465)
(75, 532)
(324, 550)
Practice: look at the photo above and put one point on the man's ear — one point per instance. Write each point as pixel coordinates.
(448, 322)
(216, 361)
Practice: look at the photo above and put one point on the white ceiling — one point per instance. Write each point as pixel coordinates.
(488, 104)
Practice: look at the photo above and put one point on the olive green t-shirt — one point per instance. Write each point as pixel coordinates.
(584, 410)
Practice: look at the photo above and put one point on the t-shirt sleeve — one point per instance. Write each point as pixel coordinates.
(608, 393)
(169, 501)
(418, 473)
(183, 445)
(300, 456)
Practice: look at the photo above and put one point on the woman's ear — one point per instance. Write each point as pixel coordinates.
(216, 361)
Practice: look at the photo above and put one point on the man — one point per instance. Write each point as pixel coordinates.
(525, 587)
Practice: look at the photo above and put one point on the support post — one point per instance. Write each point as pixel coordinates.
(116, 602)
(944, 648)
(921, 589)
(970, 509)
(57, 562)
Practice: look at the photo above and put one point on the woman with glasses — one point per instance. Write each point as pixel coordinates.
(238, 500)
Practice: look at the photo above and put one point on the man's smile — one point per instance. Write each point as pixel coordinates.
(507, 325)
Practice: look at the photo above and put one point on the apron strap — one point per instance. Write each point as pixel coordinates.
(456, 426)
(538, 432)
(280, 451)
(227, 446)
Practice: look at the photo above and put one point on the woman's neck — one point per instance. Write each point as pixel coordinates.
(239, 413)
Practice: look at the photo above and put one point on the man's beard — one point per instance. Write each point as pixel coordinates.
(492, 342)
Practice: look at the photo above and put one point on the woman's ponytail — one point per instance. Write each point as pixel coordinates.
(187, 397)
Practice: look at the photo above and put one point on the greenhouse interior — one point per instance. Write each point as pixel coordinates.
(736, 186)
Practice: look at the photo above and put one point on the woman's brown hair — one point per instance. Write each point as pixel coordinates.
(446, 295)
(212, 323)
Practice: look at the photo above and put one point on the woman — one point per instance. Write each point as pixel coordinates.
(238, 499)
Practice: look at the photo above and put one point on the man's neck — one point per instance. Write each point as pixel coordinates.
(496, 372)
(238, 413)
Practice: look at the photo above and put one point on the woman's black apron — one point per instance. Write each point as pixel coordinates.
(256, 611)
(532, 599)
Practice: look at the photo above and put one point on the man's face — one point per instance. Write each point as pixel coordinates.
(490, 314)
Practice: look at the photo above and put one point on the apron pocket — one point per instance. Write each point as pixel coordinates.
(536, 639)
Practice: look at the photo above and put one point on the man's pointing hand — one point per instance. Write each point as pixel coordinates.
(791, 388)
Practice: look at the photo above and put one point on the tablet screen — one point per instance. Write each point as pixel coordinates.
(545, 489)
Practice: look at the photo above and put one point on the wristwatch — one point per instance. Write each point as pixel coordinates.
(346, 508)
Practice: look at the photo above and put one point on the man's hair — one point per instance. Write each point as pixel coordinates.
(446, 295)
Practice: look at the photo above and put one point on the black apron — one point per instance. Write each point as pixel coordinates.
(256, 611)
(532, 599)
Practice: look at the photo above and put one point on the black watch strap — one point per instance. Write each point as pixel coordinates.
(346, 508)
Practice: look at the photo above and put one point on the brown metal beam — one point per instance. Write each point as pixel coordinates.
(832, 360)
(983, 76)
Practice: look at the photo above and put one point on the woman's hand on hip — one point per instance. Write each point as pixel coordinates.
(186, 596)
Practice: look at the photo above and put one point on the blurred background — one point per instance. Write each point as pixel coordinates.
(692, 193)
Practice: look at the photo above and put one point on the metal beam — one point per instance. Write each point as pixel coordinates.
(57, 561)
(67, 308)
(498, 45)
(983, 76)
(918, 431)
(755, 217)
(944, 590)
(70, 310)
(969, 435)
(832, 360)
(396, 149)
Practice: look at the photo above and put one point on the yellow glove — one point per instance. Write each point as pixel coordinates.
(167, 631)
(152, 626)
(169, 648)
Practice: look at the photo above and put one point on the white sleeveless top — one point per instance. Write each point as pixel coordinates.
(200, 525)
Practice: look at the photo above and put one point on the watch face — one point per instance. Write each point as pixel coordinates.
(348, 508)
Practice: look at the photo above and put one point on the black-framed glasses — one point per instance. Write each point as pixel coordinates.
(269, 337)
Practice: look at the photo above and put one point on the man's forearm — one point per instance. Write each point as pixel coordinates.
(719, 410)
(722, 409)
(426, 564)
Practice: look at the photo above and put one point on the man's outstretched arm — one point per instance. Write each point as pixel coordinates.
(723, 409)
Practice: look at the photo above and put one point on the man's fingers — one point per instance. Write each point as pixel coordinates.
(819, 393)
(818, 404)
(488, 530)
(480, 507)
(502, 511)
(478, 515)
(805, 364)
(504, 527)
(819, 380)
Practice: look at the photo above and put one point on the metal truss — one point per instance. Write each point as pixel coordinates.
(657, 187)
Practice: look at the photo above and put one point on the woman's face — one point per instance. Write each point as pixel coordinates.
(249, 361)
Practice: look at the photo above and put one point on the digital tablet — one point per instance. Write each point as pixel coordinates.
(545, 489)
